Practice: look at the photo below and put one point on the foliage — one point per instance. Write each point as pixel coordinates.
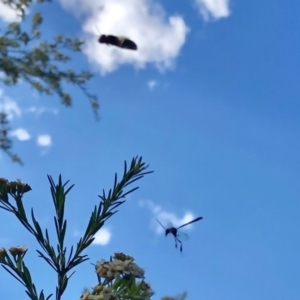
(5, 141)
(24, 56)
(119, 274)
(57, 256)
(21, 6)
(178, 297)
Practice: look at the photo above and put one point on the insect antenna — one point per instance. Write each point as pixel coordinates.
(96, 34)
(98, 29)
(161, 224)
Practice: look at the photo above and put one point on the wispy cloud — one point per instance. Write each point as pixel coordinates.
(4, 241)
(9, 106)
(159, 37)
(21, 134)
(102, 237)
(40, 110)
(165, 217)
(44, 140)
(152, 84)
(213, 9)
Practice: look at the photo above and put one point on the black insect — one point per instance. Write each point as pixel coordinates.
(177, 234)
(118, 41)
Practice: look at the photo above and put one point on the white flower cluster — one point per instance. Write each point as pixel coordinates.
(119, 280)
(105, 294)
(117, 267)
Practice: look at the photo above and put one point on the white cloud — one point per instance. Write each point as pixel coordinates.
(44, 140)
(152, 84)
(8, 14)
(213, 9)
(4, 241)
(21, 134)
(9, 106)
(102, 237)
(77, 233)
(159, 37)
(165, 217)
(40, 110)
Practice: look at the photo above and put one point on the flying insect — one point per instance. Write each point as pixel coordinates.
(118, 41)
(178, 235)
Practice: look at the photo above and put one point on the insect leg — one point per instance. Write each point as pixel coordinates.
(179, 241)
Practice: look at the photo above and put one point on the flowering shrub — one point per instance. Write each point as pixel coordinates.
(119, 274)
(119, 280)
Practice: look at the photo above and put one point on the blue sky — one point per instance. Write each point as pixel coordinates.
(211, 102)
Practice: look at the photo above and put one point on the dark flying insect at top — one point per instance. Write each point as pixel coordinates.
(121, 42)
(174, 231)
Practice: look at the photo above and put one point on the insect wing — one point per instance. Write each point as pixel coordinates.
(169, 225)
(197, 219)
(182, 236)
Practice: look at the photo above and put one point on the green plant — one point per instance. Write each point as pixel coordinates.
(57, 257)
(25, 56)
